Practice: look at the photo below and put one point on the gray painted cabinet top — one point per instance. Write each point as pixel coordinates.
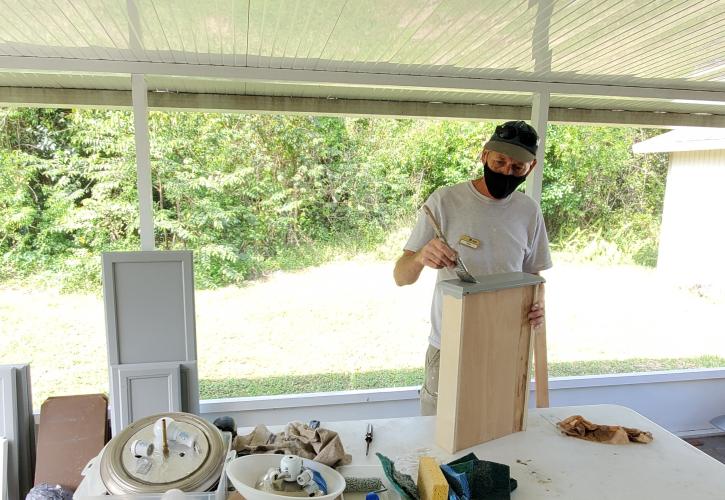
(489, 283)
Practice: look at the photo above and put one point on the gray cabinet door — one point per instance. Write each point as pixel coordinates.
(3, 468)
(150, 320)
(149, 302)
(145, 389)
(18, 427)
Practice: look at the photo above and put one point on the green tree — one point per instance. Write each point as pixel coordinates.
(253, 193)
(596, 189)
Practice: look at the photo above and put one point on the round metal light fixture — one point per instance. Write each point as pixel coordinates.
(138, 460)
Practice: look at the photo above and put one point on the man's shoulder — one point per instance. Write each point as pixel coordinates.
(451, 190)
(524, 201)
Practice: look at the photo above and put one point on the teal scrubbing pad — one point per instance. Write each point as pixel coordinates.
(403, 483)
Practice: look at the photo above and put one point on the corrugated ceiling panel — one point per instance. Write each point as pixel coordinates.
(665, 43)
(86, 29)
(284, 40)
(359, 28)
(505, 44)
(641, 40)
(290, 34)
(150, 32)
(78, 23)
(364, 29)
(112, 22)
(47, 17)
(19, 39)
(415, 38)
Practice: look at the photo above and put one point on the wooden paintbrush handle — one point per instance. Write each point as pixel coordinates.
(436, 227)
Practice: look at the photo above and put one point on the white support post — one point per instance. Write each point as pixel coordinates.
(539, 120)
(143, 160)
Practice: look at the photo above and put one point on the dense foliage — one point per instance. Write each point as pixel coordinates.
(253, 193)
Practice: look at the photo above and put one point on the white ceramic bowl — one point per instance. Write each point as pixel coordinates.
(245, 472)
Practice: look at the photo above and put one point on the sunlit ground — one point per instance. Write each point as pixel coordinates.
(349, 317)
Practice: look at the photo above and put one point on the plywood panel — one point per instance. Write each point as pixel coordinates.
(450, 357)
(485, 365)
(72, 430)
(541, 366)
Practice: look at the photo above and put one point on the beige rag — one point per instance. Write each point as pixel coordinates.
(578, 426)
(320, 445)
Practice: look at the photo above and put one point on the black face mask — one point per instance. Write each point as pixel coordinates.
(500, 185)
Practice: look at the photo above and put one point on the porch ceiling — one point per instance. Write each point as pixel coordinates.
(619, 59)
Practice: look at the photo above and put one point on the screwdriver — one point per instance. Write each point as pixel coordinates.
(368, 438)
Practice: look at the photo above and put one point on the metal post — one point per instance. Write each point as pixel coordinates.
(143, 160)
(539, 120)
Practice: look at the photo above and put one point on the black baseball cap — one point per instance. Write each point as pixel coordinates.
(516, 139)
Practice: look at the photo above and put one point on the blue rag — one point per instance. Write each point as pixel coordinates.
(317, 478)
(472, 479)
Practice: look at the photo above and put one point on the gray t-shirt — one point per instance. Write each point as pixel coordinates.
(511, 233)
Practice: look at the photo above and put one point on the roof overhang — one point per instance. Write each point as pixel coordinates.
(684, 139)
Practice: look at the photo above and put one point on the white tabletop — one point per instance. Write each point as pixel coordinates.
(548, 464)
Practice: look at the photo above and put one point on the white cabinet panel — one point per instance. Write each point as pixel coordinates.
(145, 389)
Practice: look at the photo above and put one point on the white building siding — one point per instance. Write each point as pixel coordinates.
(692, 238)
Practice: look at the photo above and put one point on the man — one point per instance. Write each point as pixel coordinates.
(494, 228)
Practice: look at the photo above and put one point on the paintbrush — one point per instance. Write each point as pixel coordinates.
(461, 269)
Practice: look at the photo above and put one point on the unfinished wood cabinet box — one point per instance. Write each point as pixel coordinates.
(486, 348)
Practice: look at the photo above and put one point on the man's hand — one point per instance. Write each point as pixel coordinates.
(536, 314)
(437, 255)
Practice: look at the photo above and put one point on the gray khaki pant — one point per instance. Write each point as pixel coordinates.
(429, 391)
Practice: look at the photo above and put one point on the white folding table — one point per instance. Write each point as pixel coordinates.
(548, 464)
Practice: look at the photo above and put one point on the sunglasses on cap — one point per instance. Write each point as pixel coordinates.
(525, 136)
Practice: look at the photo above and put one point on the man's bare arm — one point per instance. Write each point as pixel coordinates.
(434, 254)
(407, 269)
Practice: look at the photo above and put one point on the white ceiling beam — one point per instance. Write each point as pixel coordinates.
(226, 103)
(139, 94)
(539, 120)
(356, 79)
(340, 107)
(64, 98)
(634, 118)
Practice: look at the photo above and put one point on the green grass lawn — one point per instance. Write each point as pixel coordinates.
(327, 382)
(346, 326)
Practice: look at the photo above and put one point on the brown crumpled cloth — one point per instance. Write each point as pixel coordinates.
(578, 426)
(320, 445)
